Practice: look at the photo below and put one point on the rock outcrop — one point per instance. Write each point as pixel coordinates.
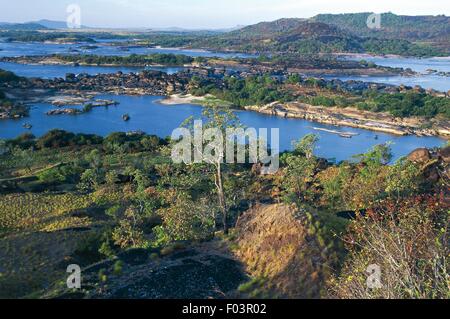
(186, 273)
(275, 245)
(420, 155)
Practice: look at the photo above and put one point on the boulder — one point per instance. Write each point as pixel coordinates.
(420, 155)
(445, 154)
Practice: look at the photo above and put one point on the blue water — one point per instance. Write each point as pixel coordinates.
(153, 118)
(427, 81)
(20, 49)
(439, 83)
(415, 64)
(52, 71)
(60, 71)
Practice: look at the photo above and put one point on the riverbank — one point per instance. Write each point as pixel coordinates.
(307, 66)
(350, 117)
(55, 60)
(176, 99)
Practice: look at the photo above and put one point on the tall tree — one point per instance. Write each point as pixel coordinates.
(214, 131)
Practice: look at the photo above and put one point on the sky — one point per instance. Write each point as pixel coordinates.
(203, 14)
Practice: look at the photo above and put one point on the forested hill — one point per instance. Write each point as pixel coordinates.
(311, 37)
(268, 28)
(412, 28)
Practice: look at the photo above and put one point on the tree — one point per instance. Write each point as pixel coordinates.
(306, 145)
(218, 121)
(403, 179)
(3, 147)
(372, 175)
(91, 179)
(129, 234)
(300, 169)
(24, 156)
(408, 243)
(185, 218)
(221, 119)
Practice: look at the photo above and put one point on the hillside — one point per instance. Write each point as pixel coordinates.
(277, 246)
(412, 28)
(268, 28)
(312, 37)
(140, 227)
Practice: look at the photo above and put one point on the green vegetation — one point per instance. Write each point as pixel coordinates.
(314, 36)
(123, 192)
(262, 90)
(35, 36)
(399, 47)
(397, 104)
(258, 90)
(406, 104)
(133, 59)
(411, 28)
(7, 76)
(121, 201)
(9, 109)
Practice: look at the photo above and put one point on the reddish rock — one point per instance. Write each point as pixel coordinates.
(445, 154)
(420, 155)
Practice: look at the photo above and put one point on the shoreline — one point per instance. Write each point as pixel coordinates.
(347, 117)
(50, 62)
(350, 117)
(178, 99)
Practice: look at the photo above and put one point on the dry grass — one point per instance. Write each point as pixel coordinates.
(275, 245)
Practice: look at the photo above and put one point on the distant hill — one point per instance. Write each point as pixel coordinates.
(268, 28)
(31, 26)
(411, 28)
(204, 30)
(284, 30)
(52, 24)
(311, 36)
(36, 25)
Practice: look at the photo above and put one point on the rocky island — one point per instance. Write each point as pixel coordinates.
(288, 94)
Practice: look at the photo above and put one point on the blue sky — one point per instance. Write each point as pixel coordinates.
(203, 13)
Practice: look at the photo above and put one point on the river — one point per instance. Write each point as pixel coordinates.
(13, 49)
(154, 118)
(420, 65)
(427, 81)
(60, 71)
